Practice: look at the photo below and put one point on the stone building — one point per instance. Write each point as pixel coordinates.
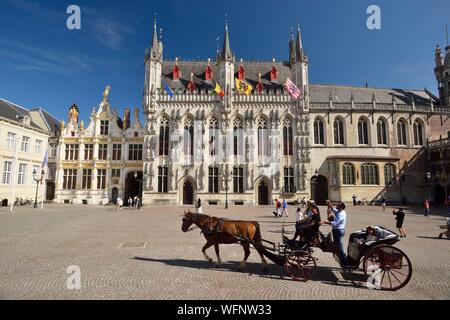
(331, 143)
(438, 171)
(25, 137)
(96, 164)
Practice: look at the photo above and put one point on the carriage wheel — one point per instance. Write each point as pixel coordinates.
(388, 268)
(300, 265)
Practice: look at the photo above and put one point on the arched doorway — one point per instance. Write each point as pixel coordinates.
(50, 192)
(188, 193)
(319, 189)
(263, 193)
(132, 185)
(114, 195)
(439, 194)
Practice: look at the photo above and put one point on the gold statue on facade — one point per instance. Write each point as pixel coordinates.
(106, 92)
(73, 113)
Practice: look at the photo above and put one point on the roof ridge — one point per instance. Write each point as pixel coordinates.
(363, 87)
(15, 105)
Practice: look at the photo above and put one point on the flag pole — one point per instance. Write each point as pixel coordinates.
(44, 188)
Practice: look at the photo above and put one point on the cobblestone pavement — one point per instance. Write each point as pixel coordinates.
(36, 248)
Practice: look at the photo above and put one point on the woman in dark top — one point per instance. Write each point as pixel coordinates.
(310, 226)
(400, 217)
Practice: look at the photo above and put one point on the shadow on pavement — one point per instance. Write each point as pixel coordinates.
(323, 274)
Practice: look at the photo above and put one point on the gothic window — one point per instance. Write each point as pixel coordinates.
(163, 179)
(102, 151)
(69, 179)
(402, 133)
(289, 186)
(348, 174)
(117, 152)
(262, 137)
(382, 132)
(87, 179)
(238, 180)
(363, 131)
(101, 179)
(389, 174)
(164, 137)
(213, 136)
(319, 132)
(188, 137)
(135, 152)
(338, 132)
(104, 127)
(88, 151)
(287, 137)
(213, 180)
(238, 137)
(369, 174)
(418, 133)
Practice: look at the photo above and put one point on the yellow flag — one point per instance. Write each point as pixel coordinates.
(243, 86)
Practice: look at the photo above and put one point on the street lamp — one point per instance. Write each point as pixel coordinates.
(37, 180)
(140, 189)
(226, 176)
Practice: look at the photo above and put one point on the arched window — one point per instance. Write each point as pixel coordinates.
(402, 133)
(382, 132)
(338, 130)
(348, 174)
(188, 137)
(287, 137)
(213, 136)
(389, 174)
(262, 137)
(369, 174)
(238, 137)
(164, 137)
(363, 131)
(418, 133)
(319, 132)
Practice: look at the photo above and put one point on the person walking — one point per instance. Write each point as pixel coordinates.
(400, 217)
(338, 223)
(130, 202)
(199, 206)
(303, 202)
(354, 197)
(119, 204)
(383, 203)
(285, 212)
(275, 213)
(427, 207)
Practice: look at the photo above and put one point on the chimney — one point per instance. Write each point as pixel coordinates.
(126, 118)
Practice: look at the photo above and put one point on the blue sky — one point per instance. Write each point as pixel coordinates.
(42, 63)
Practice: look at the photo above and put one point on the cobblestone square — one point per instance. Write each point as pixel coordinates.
(144, 255)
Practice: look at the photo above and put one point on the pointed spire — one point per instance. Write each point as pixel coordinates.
(292, 55)
(298, 44)
(155, 35)
(226, 54)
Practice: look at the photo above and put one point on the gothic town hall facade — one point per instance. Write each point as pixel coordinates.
(203, 138)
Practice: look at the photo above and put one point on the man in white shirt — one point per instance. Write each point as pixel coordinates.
(338, 229)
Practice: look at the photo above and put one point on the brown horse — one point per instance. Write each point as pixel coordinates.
(217, 231)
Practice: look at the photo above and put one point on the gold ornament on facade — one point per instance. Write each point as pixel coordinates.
(73, 113)
(82, 125)
(106, 92)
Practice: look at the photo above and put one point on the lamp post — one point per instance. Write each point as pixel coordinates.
(428, 179)
(140, 189)
(226, 176)
(37, 180)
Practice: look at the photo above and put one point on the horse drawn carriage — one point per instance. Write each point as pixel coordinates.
(386, 266)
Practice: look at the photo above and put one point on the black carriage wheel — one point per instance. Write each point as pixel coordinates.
(388, 266)
(300, 265)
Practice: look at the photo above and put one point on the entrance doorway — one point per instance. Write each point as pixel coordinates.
(188, 193)
(439, 194)
(132, 186)
(263, 193)
(50, 192)
(114, 195)
(319, 190)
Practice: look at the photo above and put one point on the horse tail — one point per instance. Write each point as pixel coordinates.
(257, 239)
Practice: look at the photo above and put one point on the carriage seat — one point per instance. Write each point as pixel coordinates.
(381, 234)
